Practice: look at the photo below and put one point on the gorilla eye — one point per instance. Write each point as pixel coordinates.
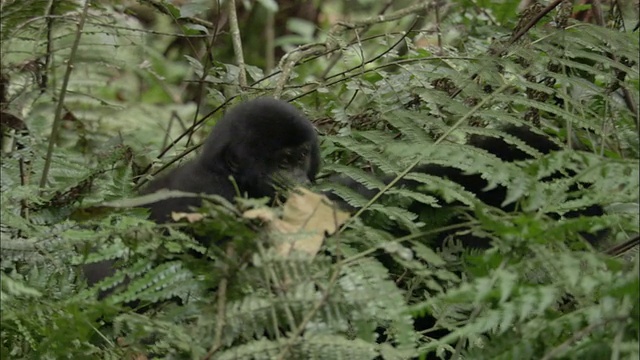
(284, 163)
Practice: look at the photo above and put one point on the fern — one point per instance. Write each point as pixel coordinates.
(539, 292)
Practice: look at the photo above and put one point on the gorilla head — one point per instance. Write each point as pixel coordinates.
(256, 147)
(261, 141)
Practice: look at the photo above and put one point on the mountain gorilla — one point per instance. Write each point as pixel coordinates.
(474, 183)
(256, 148)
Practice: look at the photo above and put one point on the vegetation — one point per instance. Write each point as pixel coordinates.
(98, 96)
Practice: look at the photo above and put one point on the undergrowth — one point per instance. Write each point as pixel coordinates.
(540, 292)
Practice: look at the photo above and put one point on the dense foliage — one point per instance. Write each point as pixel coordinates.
(93, 103)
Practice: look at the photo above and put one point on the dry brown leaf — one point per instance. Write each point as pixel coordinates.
(264, 214)
(306, 218)
(191, 217)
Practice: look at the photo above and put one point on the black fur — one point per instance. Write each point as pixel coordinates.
(249, 144)
(257, 143)
(474, 183)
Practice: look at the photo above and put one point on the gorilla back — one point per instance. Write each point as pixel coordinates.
(256, 146)
(476, 184)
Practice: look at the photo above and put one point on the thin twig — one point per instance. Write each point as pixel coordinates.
(270, 36)
(295, 337)
(337, 55)
(237, 43)
(533, 22)
(49, 52)
(579, 335)
(63, 90)
(162, 7)
(480, 105)
(290, 59)
(207, 62)
(221, 305)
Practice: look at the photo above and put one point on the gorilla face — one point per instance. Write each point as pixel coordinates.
(261, 143)
(262, 175)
